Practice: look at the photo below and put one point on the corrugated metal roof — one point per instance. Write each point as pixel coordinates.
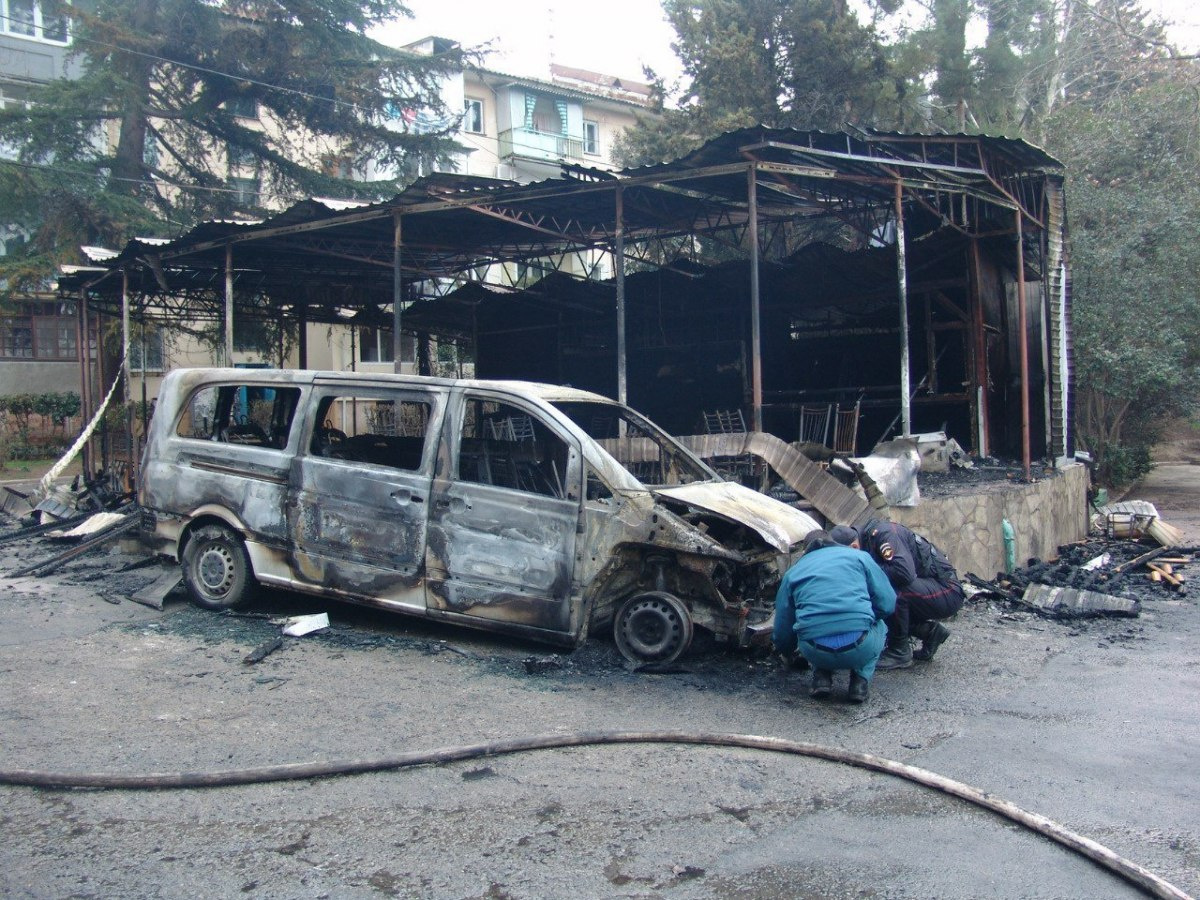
(454, 223)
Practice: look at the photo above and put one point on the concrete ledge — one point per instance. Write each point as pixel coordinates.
(967, 527)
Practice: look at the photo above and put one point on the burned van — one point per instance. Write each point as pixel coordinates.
(524, 508)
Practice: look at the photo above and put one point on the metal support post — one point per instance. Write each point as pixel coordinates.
(619, 272)
(902, 290)
(756, 385)
(397, 294)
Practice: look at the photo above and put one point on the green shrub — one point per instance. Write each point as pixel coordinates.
(1120, 464)
(33, 426)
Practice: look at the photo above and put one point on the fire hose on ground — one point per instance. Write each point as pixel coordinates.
(1097, 853)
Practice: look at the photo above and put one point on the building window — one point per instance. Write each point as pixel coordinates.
(245, 191)
(14, 95)
(545, 114)
(16, 337)
(34, 18)
(591, 138)
(242, 107)
(150, 152)
(146, 351)
(375, 346)
(473, 120)
(240, 157)
(39, 331)
(338, 167)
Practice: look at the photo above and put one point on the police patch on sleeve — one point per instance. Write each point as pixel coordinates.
(886, 551)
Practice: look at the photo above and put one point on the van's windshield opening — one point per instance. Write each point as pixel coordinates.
(648, 452)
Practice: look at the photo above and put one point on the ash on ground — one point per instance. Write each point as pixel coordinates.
(989, 471)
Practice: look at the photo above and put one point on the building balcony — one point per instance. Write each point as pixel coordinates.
(530, 144)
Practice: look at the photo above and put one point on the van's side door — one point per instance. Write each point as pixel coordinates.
(360, 492)
(505, 510)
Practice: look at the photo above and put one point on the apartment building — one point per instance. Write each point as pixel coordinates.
(39, 342)
(513, 128)
(518, 129)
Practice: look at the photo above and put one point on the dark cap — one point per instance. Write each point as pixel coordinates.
(816, 540)
(844, 534)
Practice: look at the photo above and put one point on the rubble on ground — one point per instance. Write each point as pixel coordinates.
(1097, 577)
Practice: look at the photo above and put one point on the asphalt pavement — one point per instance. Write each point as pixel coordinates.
(1094, 724)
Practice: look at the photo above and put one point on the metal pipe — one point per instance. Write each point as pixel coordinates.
(397, 294)
(302, 333)
(127, 387)
(229, 304)
(980, 350)
(756, 386)
(619, 271)
(902, 290)
(1023, 342)
(85, 376)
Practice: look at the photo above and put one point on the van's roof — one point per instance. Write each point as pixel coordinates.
(551, 393)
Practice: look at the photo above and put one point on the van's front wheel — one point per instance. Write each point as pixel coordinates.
(216, 568)
(654, 627)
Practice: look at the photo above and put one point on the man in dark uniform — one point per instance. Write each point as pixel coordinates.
(927, 587)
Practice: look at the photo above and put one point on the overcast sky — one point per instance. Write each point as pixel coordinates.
(616, 37)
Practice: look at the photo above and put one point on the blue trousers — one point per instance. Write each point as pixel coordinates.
(861, 659)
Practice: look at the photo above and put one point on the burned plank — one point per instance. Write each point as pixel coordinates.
(153, 594)
(48, 565)
(262, 651)
(35, 530)
(1066, 602)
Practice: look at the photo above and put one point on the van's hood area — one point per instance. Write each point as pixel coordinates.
(778, 524)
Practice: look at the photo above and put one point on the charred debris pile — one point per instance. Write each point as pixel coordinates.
(1130, 559)
(86, 514)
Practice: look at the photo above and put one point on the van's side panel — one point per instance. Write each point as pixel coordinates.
(502, 551)
(247, 484)
(358, 510)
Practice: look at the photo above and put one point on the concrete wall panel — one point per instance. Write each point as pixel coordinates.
(967, 527)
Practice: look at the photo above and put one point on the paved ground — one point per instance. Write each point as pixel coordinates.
(1093, 724)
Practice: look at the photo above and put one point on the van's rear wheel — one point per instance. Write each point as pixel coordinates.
(216, 568)
(654, 627)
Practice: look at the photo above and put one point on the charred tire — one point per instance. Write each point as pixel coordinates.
(216, 568)
(654, 627)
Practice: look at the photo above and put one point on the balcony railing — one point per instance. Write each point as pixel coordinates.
(532, 144)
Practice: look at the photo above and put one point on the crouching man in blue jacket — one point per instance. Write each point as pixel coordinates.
(830, 606)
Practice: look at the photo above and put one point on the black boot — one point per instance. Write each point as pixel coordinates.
(935, 634)
(898, 655)
(859, 688)
(822, 683)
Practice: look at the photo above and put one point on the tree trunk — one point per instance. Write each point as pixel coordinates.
(128, 170)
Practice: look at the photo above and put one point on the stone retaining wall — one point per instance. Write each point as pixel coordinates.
(967, 527)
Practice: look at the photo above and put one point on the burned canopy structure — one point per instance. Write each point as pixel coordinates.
(918, 280)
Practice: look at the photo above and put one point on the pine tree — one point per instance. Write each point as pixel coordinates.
(173, 96)
(785, 63)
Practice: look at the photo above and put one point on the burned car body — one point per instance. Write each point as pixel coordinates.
(524, 508)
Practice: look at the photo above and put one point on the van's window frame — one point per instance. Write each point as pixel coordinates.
(275, 433)
(528, 477)
(327, 439)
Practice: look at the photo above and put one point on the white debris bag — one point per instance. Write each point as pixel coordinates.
(298, 626)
